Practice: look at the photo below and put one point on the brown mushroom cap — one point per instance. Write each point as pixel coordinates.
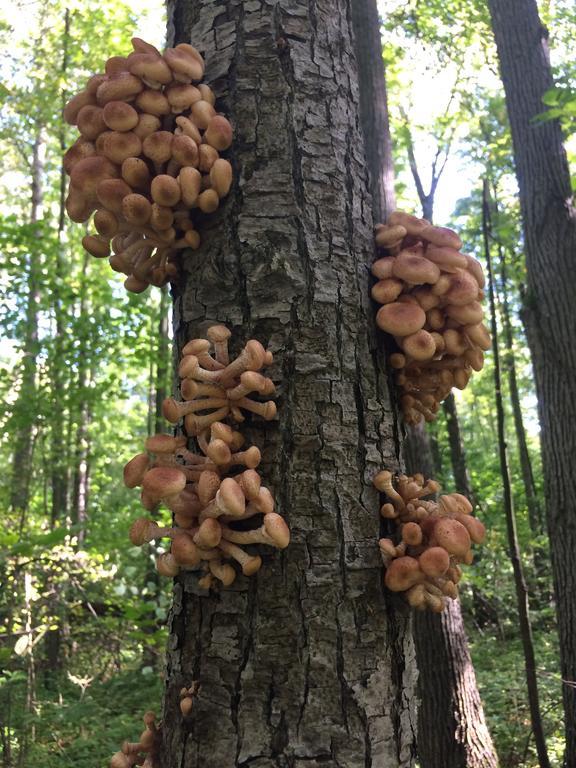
(119, 116)
(88, 173)
(402, 573)
(434, 561)
(218, 132)
(135, 470)
(415, 269)
(158, 146)
(230, 497)
(165, 190)
(446, 258)
(382, 268)
(400, 319)
(162, 482)
(221, 177)
(453, 536)
(120, 86)
(465, 314)
(463, 288)
(419, 345)
(441, 237)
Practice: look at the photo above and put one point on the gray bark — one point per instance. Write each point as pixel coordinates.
(550, 243)
(304, 664)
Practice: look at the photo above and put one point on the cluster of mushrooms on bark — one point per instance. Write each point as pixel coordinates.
(147, 162)
(431, 295)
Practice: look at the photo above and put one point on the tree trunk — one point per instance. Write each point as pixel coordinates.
(24, 411)
(532, 502)
(303, 664)
(457, 452)
(508, 504)
(452, 730)
(550, 242)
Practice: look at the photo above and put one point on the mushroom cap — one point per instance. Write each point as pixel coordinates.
(402, 573)
(251, 565)
(230, 498)
(478, 334)
(219, 452)
(475, 528)
(218, 333)
(208, 485)
(142, 530)
(86, 175)
(184, 551)
(441, 237)
(119, 116)
(111, 193)
(465, 314)
(153, 102)
(162, 482)
(186, 65)
(81, 149)
(425, 298)
(400, 318)
(419, 345)
(387, 290)
(382, 268)
(90, 122)
(446, 258)
(412, 224)
(135, 172)
(453, 536)
(164, 443)
(415, 268)
(158, 146)
(218, 133)
(165, 190)
(463, 288)
(147, 124)
(221, 177)
(475, 269)
(185, 151)
(150, 67)
(181, 96)
(202, 113)
(208, 201)
(209, 533)
(277, 530)
(190, 180)
(412, 534)
(250, 483)
(135, 470)
(455, 503)
(166, 565)
(136, 209)
(434, 561)
(388, 235)
(207, 156)
(120, 86)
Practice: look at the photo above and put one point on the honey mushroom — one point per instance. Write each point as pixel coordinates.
(143, 752)
(431, 295)
(213, 490)
(147, 162)
(435, 539)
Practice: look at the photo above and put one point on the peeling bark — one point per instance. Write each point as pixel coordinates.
(305, 664)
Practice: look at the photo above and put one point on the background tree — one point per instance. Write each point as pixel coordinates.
(549, 225)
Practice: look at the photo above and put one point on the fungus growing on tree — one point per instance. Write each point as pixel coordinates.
(147, 162)
(431, 296)
(215, 494)
(435, 537)
(143, 752)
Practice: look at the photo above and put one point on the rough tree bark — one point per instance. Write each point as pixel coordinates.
(550, 243)
(304, 664)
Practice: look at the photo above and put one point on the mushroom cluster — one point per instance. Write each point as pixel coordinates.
(435, 538)
(143, 752)
(147, 161)
(187, 696)
(215, 495)
(431, 295)
(212, 383)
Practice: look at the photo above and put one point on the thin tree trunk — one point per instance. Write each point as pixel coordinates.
(24, 411)
(514, 548)
(302, 665)
(457, 451)
(59, 459)
(532, 502)
(550, 243)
